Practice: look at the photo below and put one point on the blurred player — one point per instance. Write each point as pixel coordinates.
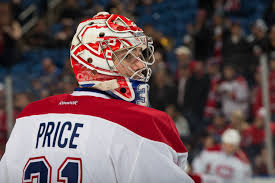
(99, 133)
(228, 163)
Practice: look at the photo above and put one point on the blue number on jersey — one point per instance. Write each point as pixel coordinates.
(39, 168)
(70, 169)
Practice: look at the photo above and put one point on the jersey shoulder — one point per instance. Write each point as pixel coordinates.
(216, 148)
(241, 155)
(153, 124)
(212, 152)
(32, 108)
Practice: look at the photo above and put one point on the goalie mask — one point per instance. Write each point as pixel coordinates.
(110, 53)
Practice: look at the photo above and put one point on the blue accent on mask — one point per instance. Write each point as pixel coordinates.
(141, 90)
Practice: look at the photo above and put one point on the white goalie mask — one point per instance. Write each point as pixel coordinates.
(111, 54)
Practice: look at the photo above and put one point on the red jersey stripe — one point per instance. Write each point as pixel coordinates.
(144, 121)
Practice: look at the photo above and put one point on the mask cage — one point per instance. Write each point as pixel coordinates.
(142, 51)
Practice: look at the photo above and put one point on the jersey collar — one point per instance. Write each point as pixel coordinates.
(90, 92)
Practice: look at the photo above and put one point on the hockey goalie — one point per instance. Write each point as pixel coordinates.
(104, 132)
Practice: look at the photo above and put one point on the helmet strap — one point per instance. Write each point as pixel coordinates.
(107, 85)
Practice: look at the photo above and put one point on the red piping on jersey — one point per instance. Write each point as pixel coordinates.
(144, 121)
(215, 148)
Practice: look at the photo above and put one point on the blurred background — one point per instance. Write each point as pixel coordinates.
(207, 74)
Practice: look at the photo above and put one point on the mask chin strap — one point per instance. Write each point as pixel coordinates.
(107, 85)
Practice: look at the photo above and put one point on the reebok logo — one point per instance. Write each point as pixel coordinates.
(68, 102)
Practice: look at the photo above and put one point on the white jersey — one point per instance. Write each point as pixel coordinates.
(86, 137)
(239, 99)
(205, 178)
(229, 169)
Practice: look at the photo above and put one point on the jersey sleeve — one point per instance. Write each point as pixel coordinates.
(244, 174)
(153, 165)
(199, 164)
(6, 167)
(3, 169)
(139, 159)
(150, 163)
